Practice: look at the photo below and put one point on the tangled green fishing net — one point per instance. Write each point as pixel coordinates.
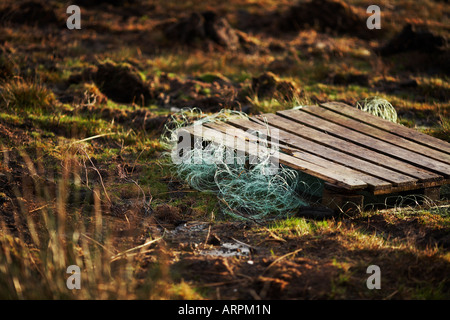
(245, 191)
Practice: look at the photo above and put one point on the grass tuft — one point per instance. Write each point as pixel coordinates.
(23, 96)
(379, 107)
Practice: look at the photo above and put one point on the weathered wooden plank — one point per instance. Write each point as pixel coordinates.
(418, 186)
(323, 173)
(391, 127)
(372, 182)
(298, 142)
(376, 133)
(250, 135)
(367, 141)
(350, 148)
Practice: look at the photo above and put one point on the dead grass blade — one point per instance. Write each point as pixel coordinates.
(281, 258)
(148, 243)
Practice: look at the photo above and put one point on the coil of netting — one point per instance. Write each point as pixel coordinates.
(245, 191)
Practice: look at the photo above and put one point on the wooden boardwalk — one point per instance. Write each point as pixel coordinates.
(350, 150)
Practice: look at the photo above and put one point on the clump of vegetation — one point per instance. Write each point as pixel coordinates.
(56, 224)
(379, 107)
(23, 96)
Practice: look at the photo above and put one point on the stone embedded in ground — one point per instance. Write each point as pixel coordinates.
(202, 26)
(122, 83)
(414, 39)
